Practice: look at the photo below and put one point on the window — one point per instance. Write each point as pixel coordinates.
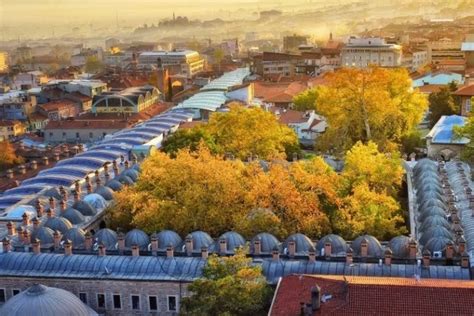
(117, 301)
(468, 105)
(101, 300)
(152, 303)
(50, 134)
(135, 302)
(77, 135)
(83, 297)
(91, 135)
(2, 296)
(15, 292)
(172, 304)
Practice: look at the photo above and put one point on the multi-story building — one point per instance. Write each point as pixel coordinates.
(275, 64)
(10, 129)
(363, 52)
(3, 62)
(28, 80)
(183, 62)
(58, 110)
(89, 88)
(444, 50)
(130, 100)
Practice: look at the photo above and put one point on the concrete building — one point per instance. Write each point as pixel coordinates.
(363, 52)
(28, 80)
(275, 64)
(86, 87)
(83, 131)
(10, 129)
(466, 94)
(3, 62)
(446, 51)
(186, 62)
(441, 142)
(291, 43)
(130, 100)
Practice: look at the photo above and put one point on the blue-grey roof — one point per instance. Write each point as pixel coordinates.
(85, 208)
(267, 243)
(168, 238)
(374, 247)
(107, 237)
(106, 192)
(338, 244)
(233, 241)
(137, 237)
(442, 132)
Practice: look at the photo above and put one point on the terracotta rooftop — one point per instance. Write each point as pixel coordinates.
(430, 88)
(374, 296)
(8, 122)
(278, 92)
(289, 116)
(57, 105)
(467, 90)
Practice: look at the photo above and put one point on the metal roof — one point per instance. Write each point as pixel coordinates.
(467, 47)
(442, 132)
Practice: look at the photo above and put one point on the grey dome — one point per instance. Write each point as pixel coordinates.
(432, 221)
(53, 192)
(131, 173)
(136, 167)
(107, 237)
(267, 243)
(338, 244)
(429, 203)
(44, 234)
(40, 300)
(106, 192)
(125, 180)
(434, 211)
(200, 239)
(437, 244)
(234, 240)
(58, 223)
(400, 246)
(137, 237)
(168, 237)
(73, 215)
(429, 194)
(374, 247)
(114, 185)
(85, 208)
(77, 237)
(95, 200)
(303, 244)
(435, 231)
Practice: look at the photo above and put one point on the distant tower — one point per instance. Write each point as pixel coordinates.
(174, 17)
(330, 36)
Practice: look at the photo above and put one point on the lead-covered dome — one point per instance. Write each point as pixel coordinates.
(107, 237)
(58, 223)
(268, 242)
(233, 240)
(137, 237)
(106, 192)
(131, 173)
(166, 238)
(73, 215)
(44, 234)
(95, 200)
(302, 242)
(85, 208)
(200, 239)
(338, 244)
(400, 246)
(40, 300)
(114, 185)
(374, 248)
(76, 236)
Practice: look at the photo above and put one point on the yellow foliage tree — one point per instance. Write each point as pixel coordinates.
(376, 104)
(8, 158)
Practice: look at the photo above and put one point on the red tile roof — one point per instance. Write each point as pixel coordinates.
(278, 92)
(57, 105)
(467, 90)
(375, 296)
(430, 88)
(9, 122)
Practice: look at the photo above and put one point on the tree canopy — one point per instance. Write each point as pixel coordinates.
(93, 64)
(442, 103)
(374, 104)
(306, 100)
(8, 158)
(466, 131)
(229, 286)
(242, 132)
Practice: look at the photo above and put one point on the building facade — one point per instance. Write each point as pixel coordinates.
(189, 62)
(363, 52)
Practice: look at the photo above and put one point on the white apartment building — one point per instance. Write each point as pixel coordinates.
(188, 62)
(362, 52)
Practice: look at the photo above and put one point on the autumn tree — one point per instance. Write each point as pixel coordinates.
(465, 134)
(8, 157)
(306, 100)
(229, 286)
(93, 64)
(242, 132)
(442, 103)
(373, 104)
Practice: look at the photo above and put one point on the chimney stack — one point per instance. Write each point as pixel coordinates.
(34, 165)
(11, 228)
(461, 245)
(52, 204)
(77, 187)
(426, 258)
(6, 245)
(291, 248)
(204, 252)
(222, 246)
(57, 239)
(67, 247)
(315, 298)
(36, 245)
(10, 173)
(39, 209)
(135, 251)
(26, 237)
(36, 223)
(257, 247)
(412, 248)
(20, 234)
(121, 242)
(76, 196)
(102, 250)
(364, 248)
(388, 256)
(312, 255)
(327, 250)
(189, 245)
(154, 245)
(88, 241)
(63, 206)
(465, 260)
(349, 256)
(45, 161)
(126, 164)
(56, 155)
(169, 251)
(449, 250)
(21, 169)
(275, 254)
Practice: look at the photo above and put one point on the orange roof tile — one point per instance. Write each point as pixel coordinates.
(467, 90)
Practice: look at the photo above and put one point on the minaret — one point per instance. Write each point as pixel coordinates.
(330, 37)
(174, 16)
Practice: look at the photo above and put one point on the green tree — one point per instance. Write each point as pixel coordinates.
(466, 132)
(442, 103)
(230, 286)
(306, 100)
(374, 104)
(93, 64)
(190, 138)
(218, 57)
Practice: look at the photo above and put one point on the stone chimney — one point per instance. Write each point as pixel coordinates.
(222, 246)
(204, 252)
(10, 173)
(257, 247)
(81, 147)
(189, 245)
(426, 258)
(77, 186)
(56, 156)
(461, 245)
(34, 165)
(388, 256)
(89, 187)
(327, 250)
(115, 167)
(126, 164)
(36, 245)
(20, 234)
(88, 241)
(102, 250)
(67, 248)
(21, 169)
(275, 254)
(57, 239)
(26, 237)
(121, 242)
(449, 250)
(291, 248)
(63, 206)
(169, 251)
(77, 197)
(135, 251)
(50, 213)
(349, 256)
(312, 255)
(6, 245)
(36, 223)
(154, 245)
(412, 245)
(52, 204)
(465, 260)
(45, 160)
(11, 228)
(364, 248)
(315, 298)
(39, 209)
